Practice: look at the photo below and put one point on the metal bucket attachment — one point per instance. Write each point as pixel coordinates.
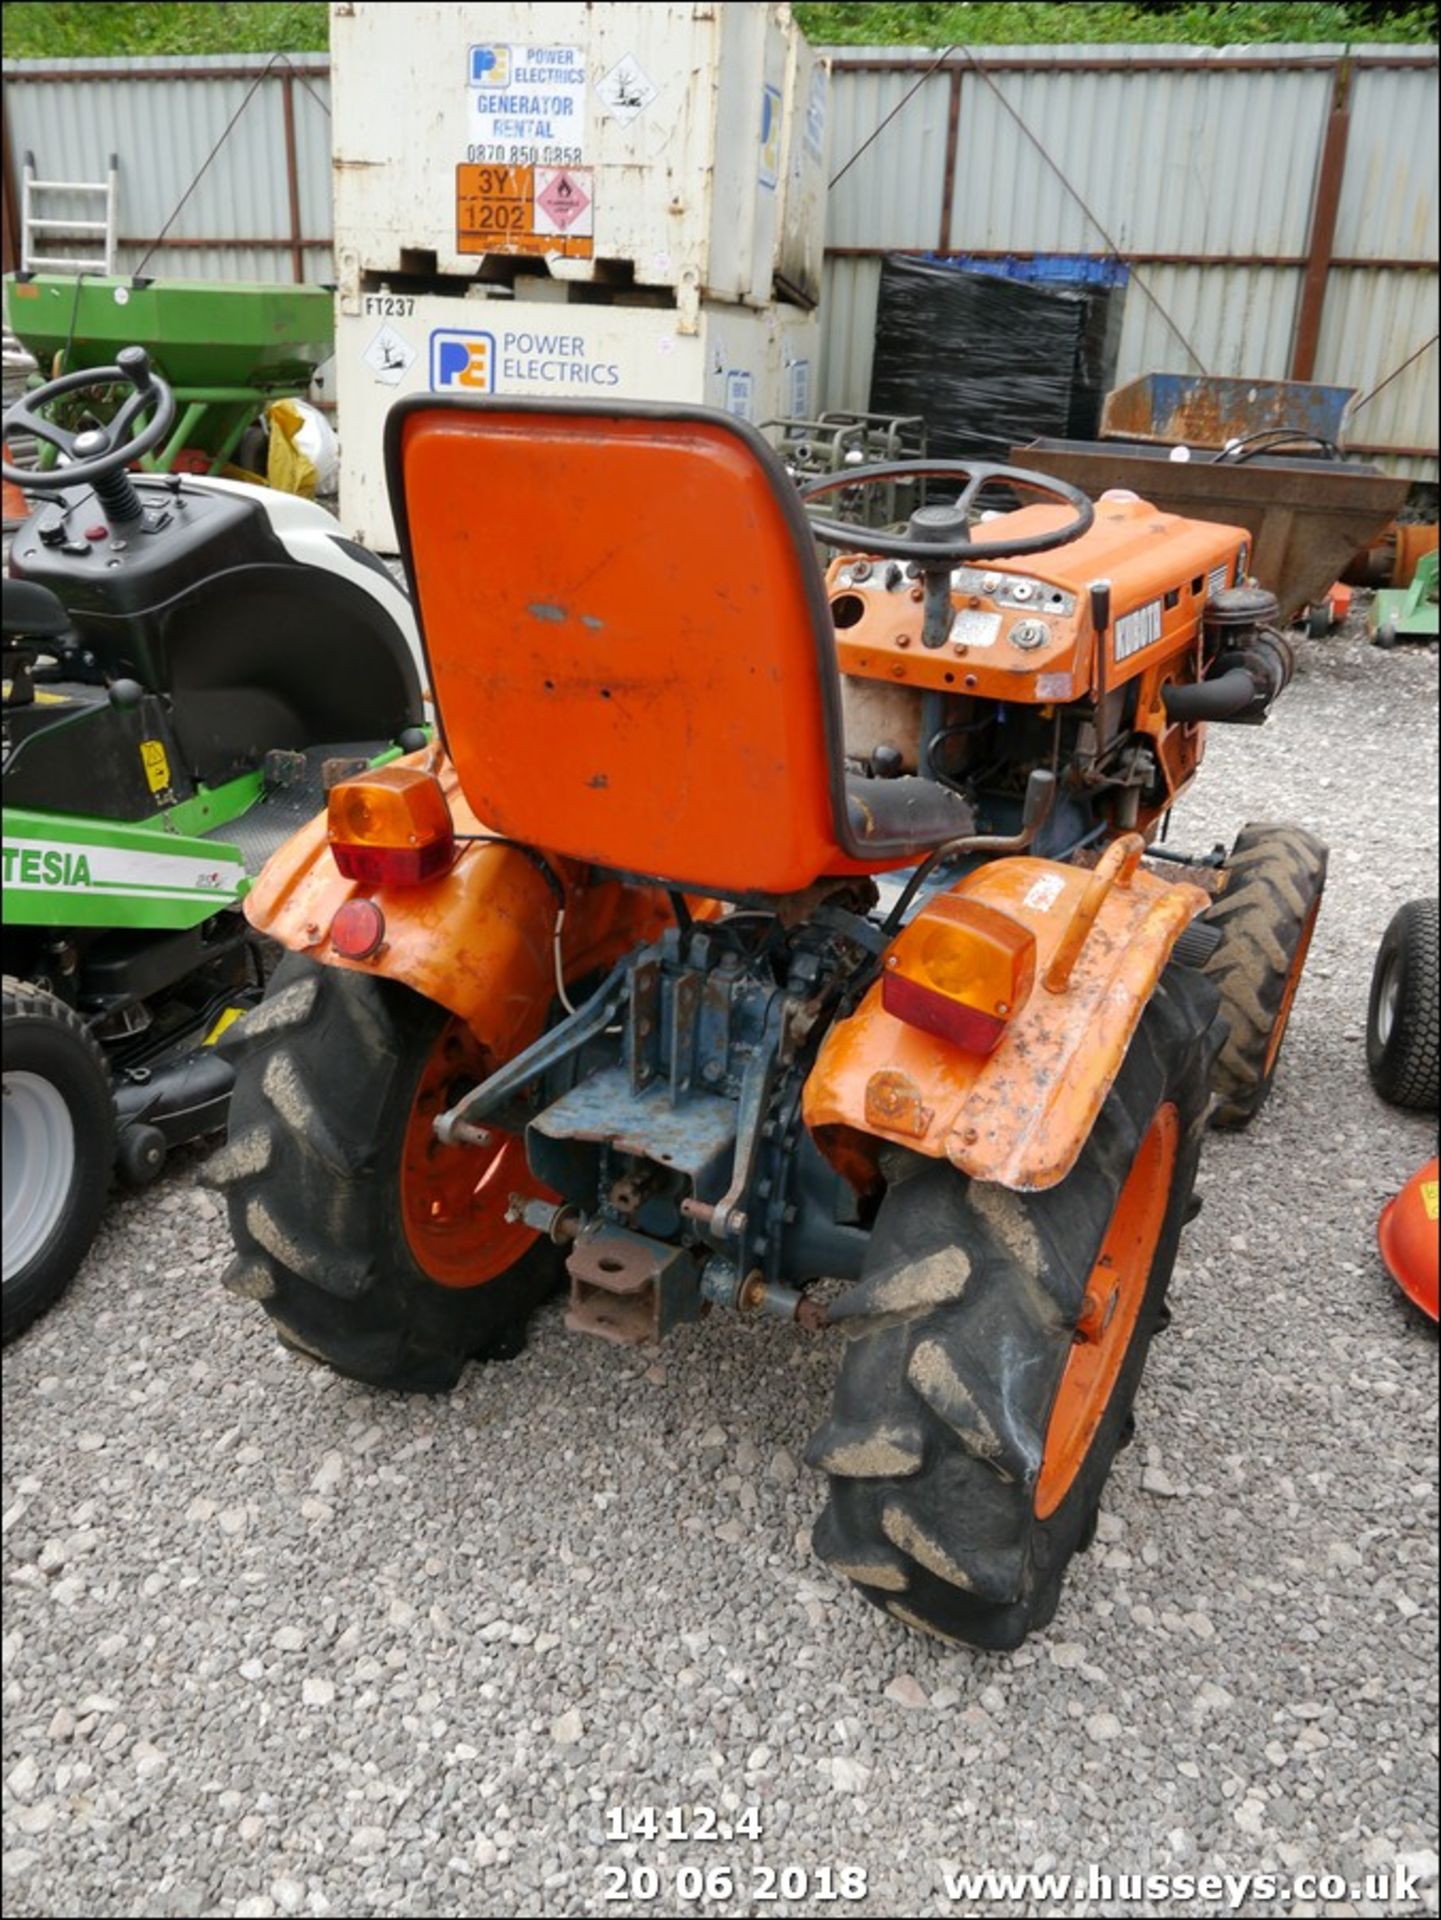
(1306, 518)
(629, 1288)
(1207, 409)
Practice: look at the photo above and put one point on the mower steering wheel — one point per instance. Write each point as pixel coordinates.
(95, 453)
(941, 534)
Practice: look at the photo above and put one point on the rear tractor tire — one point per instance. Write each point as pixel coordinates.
(996, 1342)
(1403, 1023)
(372, 1247)
(59, 1125)
(1274, 877)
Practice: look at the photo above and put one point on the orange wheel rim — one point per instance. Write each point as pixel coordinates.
(453, 1199)
(1110, 1310)
(1293, 981)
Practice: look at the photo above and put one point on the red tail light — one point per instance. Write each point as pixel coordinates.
(393, 866)
(961, 971)
(391, 827)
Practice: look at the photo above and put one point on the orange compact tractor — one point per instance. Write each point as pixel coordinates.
(783, 943)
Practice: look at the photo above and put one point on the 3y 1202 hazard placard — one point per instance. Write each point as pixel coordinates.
(549, 210)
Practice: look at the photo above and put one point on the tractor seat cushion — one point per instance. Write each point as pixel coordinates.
(31, 612)
(916, 814)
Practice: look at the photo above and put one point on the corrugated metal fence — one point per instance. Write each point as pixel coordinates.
(259, 211)
(1277, 206)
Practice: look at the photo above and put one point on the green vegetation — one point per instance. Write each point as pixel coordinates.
(52, 29)
(1219, 23)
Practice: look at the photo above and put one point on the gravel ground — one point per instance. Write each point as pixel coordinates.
(277, 1644)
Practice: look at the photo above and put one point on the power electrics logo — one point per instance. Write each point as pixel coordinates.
(490, 66)
(462, 362)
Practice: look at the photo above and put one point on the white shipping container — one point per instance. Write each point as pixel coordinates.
(801, 259)
(758, 364)
(644, 145)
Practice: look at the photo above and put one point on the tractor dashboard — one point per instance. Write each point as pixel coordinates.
(1023, 633)
(1068, 658)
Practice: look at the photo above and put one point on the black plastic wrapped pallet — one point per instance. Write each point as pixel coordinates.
(988, 361)
(1097, 353)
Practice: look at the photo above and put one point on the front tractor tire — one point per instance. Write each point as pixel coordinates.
(371, 1246)
(996, 1345)
(1273, 880)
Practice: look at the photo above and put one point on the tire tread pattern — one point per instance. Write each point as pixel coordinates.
(325, 1075)
(1406, 1068)
(958, 1333)
(1276, 876)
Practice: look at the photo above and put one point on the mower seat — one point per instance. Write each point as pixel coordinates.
(30, 612)
(630, 645)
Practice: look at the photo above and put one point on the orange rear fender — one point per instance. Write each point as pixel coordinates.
(478, 940)
(1018, 1116)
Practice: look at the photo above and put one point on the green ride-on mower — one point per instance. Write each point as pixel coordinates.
(763, 941)
(186, 662)
(1409, 612)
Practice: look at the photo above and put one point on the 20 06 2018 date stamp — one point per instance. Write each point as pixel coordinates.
(709, 1878)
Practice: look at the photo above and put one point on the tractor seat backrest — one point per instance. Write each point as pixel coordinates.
(628, 638)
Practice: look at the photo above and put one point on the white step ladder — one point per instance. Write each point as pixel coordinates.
(35, 224)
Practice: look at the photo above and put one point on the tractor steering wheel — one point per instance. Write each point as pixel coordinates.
(940, 535)
(95, 453)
